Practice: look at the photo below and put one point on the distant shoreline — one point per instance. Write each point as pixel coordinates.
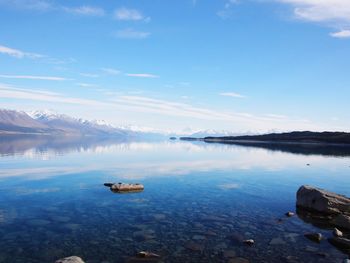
(292, 138)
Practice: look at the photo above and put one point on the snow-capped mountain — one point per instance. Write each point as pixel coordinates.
(52, 123)
(75, 125)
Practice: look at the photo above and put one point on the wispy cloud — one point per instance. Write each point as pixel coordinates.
(45, 5)
(33, 77)
(146, 105)
(19, 53)
(85, 10)
(232, 94)
(226, 11)
(335, 13)
(341, 34)
(86, 85)
(16, 53)
(127, 14)
(141, 75)
(321, 10)
(38, 5)
(7, 91)
(111, 71)
(130, 33)
(89, 75)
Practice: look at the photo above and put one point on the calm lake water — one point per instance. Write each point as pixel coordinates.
(199, 199)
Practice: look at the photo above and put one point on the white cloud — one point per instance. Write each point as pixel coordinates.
(86, 85)
(18, 53)
(89, 75)
(321, 10)
(130, 33)
(142, 75)
(33, 77)
(333, 13)
(10, 92)
(232, 94)
(145, 105)
(127, 14)
(38, 5)
(111, 71)
(85, 10)
(42, 58)
(341, 34)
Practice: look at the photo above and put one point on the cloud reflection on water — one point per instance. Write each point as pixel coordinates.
(138, 160)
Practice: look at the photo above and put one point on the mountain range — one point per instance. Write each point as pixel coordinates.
(47, 122)
(50, 123)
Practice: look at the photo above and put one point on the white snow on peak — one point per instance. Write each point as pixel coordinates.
(47, 114)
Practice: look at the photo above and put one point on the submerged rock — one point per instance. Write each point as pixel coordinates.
(289, 214)
(249, 242)
(146, 254)
(72, 259)
(194, 246)
(322, 201)
(238, 260)
(277, 241)
(340, 242)
(316, 237)
(229, 254)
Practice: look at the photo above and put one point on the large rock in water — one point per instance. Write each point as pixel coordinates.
(342, 221)
(322, 201)
(72, 259)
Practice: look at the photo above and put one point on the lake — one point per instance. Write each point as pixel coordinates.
(199, 201)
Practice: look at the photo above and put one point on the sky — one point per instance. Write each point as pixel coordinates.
(235, 65)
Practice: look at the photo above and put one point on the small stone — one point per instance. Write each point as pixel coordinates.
(73, 259)
(322, 254)
(277, 241)
(337, 232)
(229, 254)
(290, 214)
(311, 249)
(292, 237)
(315, 237)
(249, 242)
(239, 260)
(194, 246)
(236, 238)
(198, 237)
(159, 216)
(146, 254)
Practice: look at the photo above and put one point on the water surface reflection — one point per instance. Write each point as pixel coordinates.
(198, 199)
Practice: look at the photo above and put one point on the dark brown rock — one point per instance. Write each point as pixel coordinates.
(322, 201)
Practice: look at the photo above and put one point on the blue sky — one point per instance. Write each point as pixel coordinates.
(244, 65)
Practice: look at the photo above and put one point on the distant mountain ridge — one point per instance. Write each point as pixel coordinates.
(48, 122)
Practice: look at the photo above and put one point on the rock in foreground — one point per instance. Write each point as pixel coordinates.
(124, 188)
(73, 259)
(322, 201)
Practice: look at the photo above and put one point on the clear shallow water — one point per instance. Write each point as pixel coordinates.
(198, 199)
